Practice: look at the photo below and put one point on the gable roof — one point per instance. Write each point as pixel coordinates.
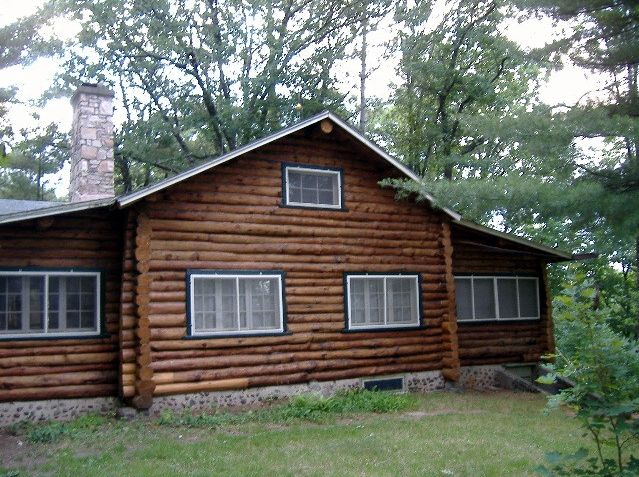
(125, 200)
(14, 206)
(128, 199)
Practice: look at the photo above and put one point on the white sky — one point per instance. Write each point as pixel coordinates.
(564, 86)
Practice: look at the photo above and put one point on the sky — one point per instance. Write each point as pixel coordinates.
(563, 86)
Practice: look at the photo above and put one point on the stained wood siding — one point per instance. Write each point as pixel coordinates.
(230, 218)
(64, 368)
(494, 342)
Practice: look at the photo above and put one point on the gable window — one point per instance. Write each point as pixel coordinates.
(382, 301)
(312, 187)
(488, 298)
(49, 304)
(224, 303)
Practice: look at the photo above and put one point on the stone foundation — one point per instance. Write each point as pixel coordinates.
(472, 377)
(479, 378)
(58, 409)
(418, 382)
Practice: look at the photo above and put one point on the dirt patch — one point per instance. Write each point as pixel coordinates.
(15, 452)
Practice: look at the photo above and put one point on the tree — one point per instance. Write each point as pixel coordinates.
(24, 169)
(604, 38)
(202, 77)
(460, 81)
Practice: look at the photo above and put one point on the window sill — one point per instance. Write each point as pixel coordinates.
(380, 330)
(312, 207)
(236, 335)
(493, 321)
(56, 337)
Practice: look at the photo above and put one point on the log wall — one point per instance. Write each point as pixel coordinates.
(64, 368)
(230, 218)
(506, 342)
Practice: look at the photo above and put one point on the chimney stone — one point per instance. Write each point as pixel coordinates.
(92, 144)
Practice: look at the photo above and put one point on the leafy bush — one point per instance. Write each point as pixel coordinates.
(306, 407)
(604, 367)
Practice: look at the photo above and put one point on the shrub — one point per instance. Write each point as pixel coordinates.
(604, 367)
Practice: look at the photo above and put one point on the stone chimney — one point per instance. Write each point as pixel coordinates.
(91, 143)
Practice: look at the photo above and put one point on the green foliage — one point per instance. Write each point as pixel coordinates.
(603, 365)
(305, 407)
(465, 93)
(29, 161)
(198, 79)
(54, 430)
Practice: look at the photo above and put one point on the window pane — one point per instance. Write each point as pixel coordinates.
(463, 299)
(217, 298)
(263, 304)
(401, 299)
(484, 298)
(313, 187)
(36, 303)
(325, 181)
(528, 298)
(507, 292)
(294, 179)
(375, 292)
(309, 181)
(326, 197)
(295, 194)
(309, 196)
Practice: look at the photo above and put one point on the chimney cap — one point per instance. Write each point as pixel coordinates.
(92, 89)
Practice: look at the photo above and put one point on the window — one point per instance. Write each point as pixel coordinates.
(382, 301)
(223, 303)
(484, 298)
(312, 187)
(39, 303)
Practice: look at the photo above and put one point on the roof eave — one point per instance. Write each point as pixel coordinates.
(63, 208)
(557, 254)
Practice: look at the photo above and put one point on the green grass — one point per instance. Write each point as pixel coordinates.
(438, 434)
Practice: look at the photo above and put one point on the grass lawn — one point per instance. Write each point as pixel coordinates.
(437, 434)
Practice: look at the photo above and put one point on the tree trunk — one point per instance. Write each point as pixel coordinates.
(362, 79)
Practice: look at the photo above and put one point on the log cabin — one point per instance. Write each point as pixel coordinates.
(278, 268)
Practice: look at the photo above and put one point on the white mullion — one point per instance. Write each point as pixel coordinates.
(496, 298)
(237, 303)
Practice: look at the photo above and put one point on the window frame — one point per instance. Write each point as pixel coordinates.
(339, 172)
(99, 332)
(495, 278)
(349, 328)
(192, 333)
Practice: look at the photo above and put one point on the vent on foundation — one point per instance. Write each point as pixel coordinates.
(385, 384)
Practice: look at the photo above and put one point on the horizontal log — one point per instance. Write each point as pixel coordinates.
(224, 361)
(184, 388)
(59, 392)
(64, 379)
(54, 360)
(49, 370)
